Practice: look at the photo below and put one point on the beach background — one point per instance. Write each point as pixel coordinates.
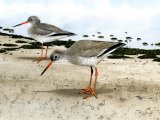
(128, 86)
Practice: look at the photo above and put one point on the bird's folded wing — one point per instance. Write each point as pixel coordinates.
(51, 30)
(90, 48)
(89, 52)
(40, 31)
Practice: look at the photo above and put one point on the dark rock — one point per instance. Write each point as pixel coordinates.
(139, 39)
(85, 36)
(145, 44)
(120, 40)
(129, 38)
(157, 44)
(100, 36)
(113, 38)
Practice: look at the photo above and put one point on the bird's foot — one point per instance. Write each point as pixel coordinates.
(93, 93)
(87, 90)
(39, 59)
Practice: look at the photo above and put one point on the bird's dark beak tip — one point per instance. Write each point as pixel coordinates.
(21, 23)
(41, 74)
(46, 68)
(17, 25)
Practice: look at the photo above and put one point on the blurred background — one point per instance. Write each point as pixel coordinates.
(132, 21)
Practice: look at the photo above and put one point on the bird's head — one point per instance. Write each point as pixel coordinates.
(31, 19)
(55, 56)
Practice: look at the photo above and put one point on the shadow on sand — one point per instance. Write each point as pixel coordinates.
(131, 87)
(74, 92)
(30, 58)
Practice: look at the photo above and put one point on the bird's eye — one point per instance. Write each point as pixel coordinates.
(55, 56)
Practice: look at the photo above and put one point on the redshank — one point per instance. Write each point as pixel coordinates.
(86, 53)
(44, 32)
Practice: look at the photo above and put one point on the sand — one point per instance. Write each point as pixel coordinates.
(127, 89)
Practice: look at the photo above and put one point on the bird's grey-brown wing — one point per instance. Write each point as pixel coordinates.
(47, 29)
(90, 48)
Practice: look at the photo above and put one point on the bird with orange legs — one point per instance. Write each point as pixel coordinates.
(44, 33)
(85, 53)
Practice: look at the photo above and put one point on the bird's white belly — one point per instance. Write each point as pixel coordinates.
(91, 61)
(45, 39)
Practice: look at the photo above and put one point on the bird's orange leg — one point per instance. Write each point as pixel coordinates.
(41, 52)
(42, 58)
(89, 89)
(39, 58)
(46, 52)
(93, 93)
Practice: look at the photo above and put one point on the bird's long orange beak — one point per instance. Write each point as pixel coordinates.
(21, 24)
(47, 67)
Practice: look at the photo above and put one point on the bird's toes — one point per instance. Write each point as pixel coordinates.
(86, 91)
(91, 94)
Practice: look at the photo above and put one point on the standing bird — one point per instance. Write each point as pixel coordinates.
(44, 32)
(86, 53)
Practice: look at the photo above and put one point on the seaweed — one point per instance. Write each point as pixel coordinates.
(19, 36)
(156, 60)
(9, 45)
(36, 44)
(134, 51)
(148, 56)
(117, 56)
(21, 41)
(15, 36)
(31, 47)
(10, 49)
(2, 50)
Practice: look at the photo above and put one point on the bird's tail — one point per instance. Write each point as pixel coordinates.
(112, 48)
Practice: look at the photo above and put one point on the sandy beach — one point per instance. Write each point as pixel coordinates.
(127, 89)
